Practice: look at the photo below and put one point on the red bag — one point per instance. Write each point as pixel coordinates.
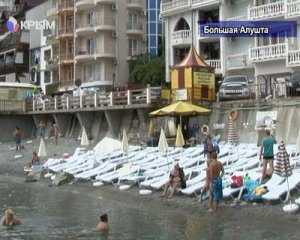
(237, 181)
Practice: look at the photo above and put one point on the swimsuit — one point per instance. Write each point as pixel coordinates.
(217, 189)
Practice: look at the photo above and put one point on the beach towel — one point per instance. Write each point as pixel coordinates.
(217, 189)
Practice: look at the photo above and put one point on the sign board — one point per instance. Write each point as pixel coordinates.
(181, 95)
(204, 78)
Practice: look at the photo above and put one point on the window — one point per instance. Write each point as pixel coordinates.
(152, 4)
(153, 42)
(152, 15)
(47, 77)
(152, 28)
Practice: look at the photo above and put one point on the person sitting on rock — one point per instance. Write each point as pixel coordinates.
(10, 219)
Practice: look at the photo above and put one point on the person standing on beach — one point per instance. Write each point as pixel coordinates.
(208, 147)
(55, 132)
(18, 138)
(42, 126)
(215, 173)
(267, 154)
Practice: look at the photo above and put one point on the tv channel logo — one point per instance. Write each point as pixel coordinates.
(12, 25)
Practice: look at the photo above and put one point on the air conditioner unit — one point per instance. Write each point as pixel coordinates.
(114, 34)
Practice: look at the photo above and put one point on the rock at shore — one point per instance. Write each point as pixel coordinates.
(62, 178)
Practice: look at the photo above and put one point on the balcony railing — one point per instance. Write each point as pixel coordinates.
(269, 10)
(65, 5)
(105, 52)
(174, 5)
(134, 26)
(269, 52)
(237, 61)
(293, 58)
(214, 63)
(135, 3)
(66, 31)
(293, 9)
(66, 57)
(183, 37)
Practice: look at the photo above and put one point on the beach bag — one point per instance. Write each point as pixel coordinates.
(237, 181)
(259, 191)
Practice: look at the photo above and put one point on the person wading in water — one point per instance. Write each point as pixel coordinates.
(10, 219)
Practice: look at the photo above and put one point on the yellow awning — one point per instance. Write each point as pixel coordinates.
(180, 109)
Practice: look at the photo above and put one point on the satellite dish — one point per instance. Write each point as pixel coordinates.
(77, 82)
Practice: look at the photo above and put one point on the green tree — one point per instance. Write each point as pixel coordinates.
(146, 69)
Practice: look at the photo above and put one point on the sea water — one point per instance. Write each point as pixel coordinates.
(71, 212)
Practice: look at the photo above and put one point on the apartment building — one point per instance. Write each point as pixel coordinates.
(95, 39)
(267, 60)
(154, 25)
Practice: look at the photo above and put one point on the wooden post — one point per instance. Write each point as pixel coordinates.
(55, 103)
(111, 99)
(148, 95)
(44, 106)
(95, 100)
(129, 97)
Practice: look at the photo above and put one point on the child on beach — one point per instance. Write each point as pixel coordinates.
(18, 138)
(215, 173)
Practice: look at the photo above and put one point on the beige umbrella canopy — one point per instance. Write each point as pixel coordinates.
(179, 137)
(84, 138)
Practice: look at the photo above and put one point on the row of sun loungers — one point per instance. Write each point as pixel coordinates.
(148, 168)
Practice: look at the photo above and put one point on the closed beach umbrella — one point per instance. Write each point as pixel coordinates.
(84, 138)
(162, 143)
(42, 149)
(283, 168)
(231, 134)
(151, 129)
(125, 144)
(298, 142)
(179, 137)
(282, 165)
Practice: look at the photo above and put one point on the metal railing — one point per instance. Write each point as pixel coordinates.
(214, 63)
(182, 37)
(12, 106)
(293, 57)
(273, 51)
(269, 10)
(293, 9)
(97, 100)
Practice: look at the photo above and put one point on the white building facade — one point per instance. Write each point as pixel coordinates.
(267, 60)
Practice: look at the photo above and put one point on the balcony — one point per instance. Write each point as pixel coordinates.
(216, 64)
(105, 1)
(84, 55)
(266, 11)
(182, 38)
(135, 4)
(269, 52)
(238, 61)
(65, 6)
(84, 28)
(104, 23)
(134, 52)
(66, 32)
(293, 9)
(51, 64)
(66, 58)
(293, 59)
(135, 28)
(84, 4)
(104, 52)
(201, 3)
(174, 6)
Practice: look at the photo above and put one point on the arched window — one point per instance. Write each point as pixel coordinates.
(182, 25)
